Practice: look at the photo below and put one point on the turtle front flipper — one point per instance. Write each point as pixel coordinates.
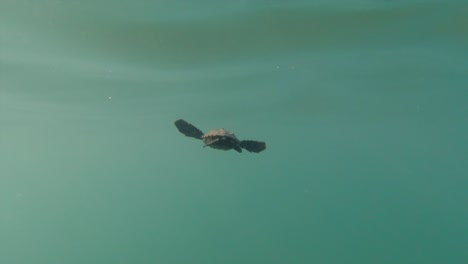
(253, 146)
(188, 129)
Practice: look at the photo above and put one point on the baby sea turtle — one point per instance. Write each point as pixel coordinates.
(219, 138)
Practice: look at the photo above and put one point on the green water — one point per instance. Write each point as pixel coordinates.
(363, 105)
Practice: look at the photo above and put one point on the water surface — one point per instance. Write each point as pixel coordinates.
(362, 105)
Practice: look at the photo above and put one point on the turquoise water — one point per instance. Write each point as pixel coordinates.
(363, 105)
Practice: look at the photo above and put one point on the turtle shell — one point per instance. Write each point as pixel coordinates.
(221, 139)
(219, 133)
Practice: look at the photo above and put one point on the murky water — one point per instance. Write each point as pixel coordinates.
(363, 106)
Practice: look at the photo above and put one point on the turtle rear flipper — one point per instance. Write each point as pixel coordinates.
(188, 129)
(237, 148)
(253, 146)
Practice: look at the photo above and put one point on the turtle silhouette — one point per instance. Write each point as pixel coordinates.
(219, 138)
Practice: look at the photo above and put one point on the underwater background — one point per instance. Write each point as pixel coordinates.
(363, 105)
